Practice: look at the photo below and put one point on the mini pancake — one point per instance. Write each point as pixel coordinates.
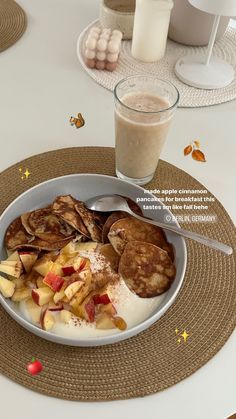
(100, 218)
(110, 255)
(44, 245)
(131, 229)
(169, 248)
(88, 220)
(45, 225)
(115, 216)
(146, 269)
(16, 235)
(118, 215)
(25, 222)
(64, 207)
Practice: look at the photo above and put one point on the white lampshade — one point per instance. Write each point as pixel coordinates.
(204, 70)
(216, 7)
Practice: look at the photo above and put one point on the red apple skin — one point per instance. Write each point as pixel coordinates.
(57, 307)
(82, 265)
(101, 299)
(35, 297)
(34, 367)
(68, 270)
(55, 282)
(90, 310)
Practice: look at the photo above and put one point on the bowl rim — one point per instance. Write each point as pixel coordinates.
(101, 340)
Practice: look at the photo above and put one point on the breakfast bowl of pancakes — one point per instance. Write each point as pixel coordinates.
(84, 278)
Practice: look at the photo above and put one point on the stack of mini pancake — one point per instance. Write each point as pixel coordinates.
(138, 251)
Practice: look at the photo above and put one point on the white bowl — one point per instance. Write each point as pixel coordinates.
(84, 186)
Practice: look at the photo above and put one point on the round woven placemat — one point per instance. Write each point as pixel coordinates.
(153, 360)
(164, 69)
(12, 23)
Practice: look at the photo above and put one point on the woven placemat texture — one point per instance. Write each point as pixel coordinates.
(190, 97)
(13, 23)
(152, 360)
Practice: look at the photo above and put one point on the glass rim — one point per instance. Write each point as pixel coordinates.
(175, 104)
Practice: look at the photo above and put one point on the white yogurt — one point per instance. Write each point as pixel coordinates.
(129, 306)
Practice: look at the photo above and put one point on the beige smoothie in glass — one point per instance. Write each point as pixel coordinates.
(143, 111)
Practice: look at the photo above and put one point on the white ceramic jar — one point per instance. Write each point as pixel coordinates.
(151, 23)
(118, 14)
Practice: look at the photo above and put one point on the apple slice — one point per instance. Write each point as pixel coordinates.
(53, 281)
(47, 320)
(7, 288)
(68, 270)
(86, 310)
(14, 256)
(39, 282)
(55, 307)
(13, 270)
(21, 294)
(19, 282)
(104, 321)
(66, 316)
(43, 266)
(42, 296)
(86, 246)
(108, 309)
(8, 262)
(89, 311)
(28, 260)
(34, 310)
(83, 292)
(84, 263)
(69, 250)
(61, 259)
(57, 269)
(59, 296)
(73, 288)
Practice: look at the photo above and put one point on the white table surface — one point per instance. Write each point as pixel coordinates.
(42, 85)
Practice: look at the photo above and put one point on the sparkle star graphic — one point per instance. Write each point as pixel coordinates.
(181, 336)
(185, 336)
(26, 173)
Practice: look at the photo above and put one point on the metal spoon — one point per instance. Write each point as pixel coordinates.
(108, 203)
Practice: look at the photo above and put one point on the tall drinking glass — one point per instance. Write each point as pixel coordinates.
(144, 107)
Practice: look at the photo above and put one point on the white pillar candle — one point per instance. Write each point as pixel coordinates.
(151, 25)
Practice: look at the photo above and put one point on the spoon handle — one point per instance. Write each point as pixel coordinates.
(188, 234)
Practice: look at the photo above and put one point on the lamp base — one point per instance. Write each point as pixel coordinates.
(193, 71)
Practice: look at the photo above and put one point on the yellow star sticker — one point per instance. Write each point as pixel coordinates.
(26, 173)
(185, 335)
(179, 340)
(176, 331)
(20, 169)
